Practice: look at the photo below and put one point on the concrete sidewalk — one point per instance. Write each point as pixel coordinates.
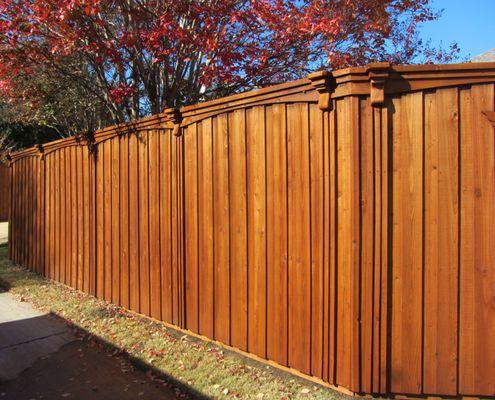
(40, 358)
(4, 232)
(26, 335)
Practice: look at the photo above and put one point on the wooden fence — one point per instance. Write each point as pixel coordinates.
(341, 225)
(4, 192)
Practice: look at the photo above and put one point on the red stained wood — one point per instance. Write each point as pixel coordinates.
(353, 244)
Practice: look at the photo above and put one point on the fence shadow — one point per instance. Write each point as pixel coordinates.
(41, 356)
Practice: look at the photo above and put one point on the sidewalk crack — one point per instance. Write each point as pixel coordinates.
(32, 340)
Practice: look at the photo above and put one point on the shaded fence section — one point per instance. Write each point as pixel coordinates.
(4, 192)
(340, 225)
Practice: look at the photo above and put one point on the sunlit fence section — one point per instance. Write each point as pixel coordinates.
(342, 225)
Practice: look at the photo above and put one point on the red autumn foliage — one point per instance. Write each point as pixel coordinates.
(140, 56)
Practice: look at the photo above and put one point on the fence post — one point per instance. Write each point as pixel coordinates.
(178, 232)
(11, 182)
(93, 155)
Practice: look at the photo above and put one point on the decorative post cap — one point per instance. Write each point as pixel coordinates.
(175, 116)
(41, 151)
(378, 74)
(321, 81)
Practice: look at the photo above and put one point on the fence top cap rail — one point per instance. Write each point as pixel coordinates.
(332, 82)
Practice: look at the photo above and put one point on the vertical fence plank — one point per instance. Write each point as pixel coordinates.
(377, 241)
(43, 215)
(205, 211)
(68, 217)
(317, 227)
(63, 233)
(124, 215)
(179, 240)
(29, 213)
(348, 246)
(276, 186)
(165, 225)
(144, 260)
(221, 223)
(80, 219)
(92, 219)
(57, 205)
(256, 203)
(327, 247)
(191, 225)
(52, 226)
(441, 242)
(238, 230)
(134, 237)
(115, 213)
(367, 238)
(86, 196)
(74, 208)
(299, 267)
(22, 210)
(35, 223)
(155, 279)
(12, 215)
(407, 255)
(100, 223)
(19, 209)
(176, 220)
(107, 219)
(477, 230)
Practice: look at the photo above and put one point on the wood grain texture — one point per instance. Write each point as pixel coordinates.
(144, 244)
(238, 230)
(191, 227)
(407, 242)
(367, 287)
(477, 273)
(256, 208)
(221, 224)
(441, 241)
(315, 157)
(165, 225)
(299, 241)
(124, 221)
(277, 247)
(134, 237)
(205, 237)
(115, 214)
(348, 250)
(154, 215)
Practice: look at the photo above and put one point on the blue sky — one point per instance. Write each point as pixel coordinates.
(469, 23)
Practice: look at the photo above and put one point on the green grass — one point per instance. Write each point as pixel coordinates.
(200, 365)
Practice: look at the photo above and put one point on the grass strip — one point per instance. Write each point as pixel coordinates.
(202, 366)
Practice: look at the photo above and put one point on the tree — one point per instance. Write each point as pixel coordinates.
(48, 98)
(136, 57)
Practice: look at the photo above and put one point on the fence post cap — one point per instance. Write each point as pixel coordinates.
(378, 66)
(378, 74)
(175, 117)
(320, 80)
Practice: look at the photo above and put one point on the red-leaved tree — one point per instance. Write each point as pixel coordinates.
(139, 56)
